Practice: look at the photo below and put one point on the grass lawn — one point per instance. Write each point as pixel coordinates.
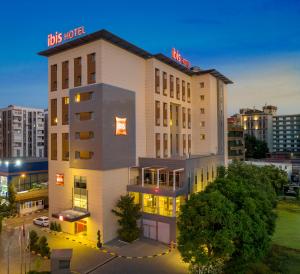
(287, 232)
(284, 255)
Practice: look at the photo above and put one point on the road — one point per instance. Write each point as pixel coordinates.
(85, 259)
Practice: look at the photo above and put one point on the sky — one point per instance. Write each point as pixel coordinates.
(255, 43)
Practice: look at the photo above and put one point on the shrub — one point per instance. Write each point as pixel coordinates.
(33, 239)
(43, 247)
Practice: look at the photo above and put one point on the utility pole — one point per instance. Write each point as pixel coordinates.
(8, 257)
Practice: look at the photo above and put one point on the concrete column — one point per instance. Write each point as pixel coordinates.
(174, 181)
(174, 206)
(157, 178)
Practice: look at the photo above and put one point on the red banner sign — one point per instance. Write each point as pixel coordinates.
(177, 56)
(59, 37)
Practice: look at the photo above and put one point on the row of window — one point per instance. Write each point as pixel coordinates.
(173, 139)
(83, 155)
(79, 97)
(175, 85)
(174, 109)
(91, 72)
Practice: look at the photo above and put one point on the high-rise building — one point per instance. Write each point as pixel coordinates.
(258, 123)
(286, 133)
(22, 132)
(236, 142)
(122, 120)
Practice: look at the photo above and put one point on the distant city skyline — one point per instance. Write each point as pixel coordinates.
(256, 44)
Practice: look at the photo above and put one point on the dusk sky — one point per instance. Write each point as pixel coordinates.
(255, 43)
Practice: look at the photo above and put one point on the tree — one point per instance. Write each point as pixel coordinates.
(33, 239)
(12, 197)
(99, 244)
(128, 213)
(43, 247)
(207, 226)
(277, 177)
(1, 224)
(256, 149)
(236, 224)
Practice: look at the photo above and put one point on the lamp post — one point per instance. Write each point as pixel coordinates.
(21, 176)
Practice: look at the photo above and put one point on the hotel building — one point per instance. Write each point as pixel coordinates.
(22, 132)
(122, 120)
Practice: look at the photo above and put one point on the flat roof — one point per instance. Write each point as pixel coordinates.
(114, 39)
(71, 215)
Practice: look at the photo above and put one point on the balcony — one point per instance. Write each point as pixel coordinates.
(157, 180)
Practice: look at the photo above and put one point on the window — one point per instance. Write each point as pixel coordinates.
(65, 110)
(189, 118)
(65, 74)
(77, 72)
(202, 97)
(157, 80)
(177, 89)
(84, 155)
(65, 147)
(189, 143)
(91, 68)
(157, 145)
(188, 92)
(183, 117)
(84, 135)
(177, 143)
(202, 85)
(202, 124)
(165, 114)
(184, 144)
(53, 112)
(157, 113)
(183, 91)
(202, 111)
(53, 146)
(165, 145)
(171, 86)
(171, 143)
(80, 192)
(202, 136)
(53, 75)
(84, 116)
(165, 83)
(84, 96)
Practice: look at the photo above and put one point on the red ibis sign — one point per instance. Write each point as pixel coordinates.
(177, 56)
(58, 37)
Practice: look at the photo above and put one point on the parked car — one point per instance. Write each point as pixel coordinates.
(41, 221)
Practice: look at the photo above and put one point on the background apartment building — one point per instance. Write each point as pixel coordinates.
(22, 132)
(258, 123)
(122, 120)
(286, 133)
(236, 141)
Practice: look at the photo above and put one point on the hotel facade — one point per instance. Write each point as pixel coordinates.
(122, 120)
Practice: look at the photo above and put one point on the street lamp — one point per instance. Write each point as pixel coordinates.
(23, 175)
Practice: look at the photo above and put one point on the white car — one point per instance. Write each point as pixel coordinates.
(42, 221)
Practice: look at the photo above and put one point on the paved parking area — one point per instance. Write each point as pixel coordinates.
(139, 255)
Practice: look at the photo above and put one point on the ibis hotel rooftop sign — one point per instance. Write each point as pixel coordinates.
(59, 37)
(177, 56)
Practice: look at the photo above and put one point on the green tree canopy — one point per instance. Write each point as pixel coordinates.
(255, 148)
(128, 213)
(246, 197)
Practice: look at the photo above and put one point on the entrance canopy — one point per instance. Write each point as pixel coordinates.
(71, 215)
